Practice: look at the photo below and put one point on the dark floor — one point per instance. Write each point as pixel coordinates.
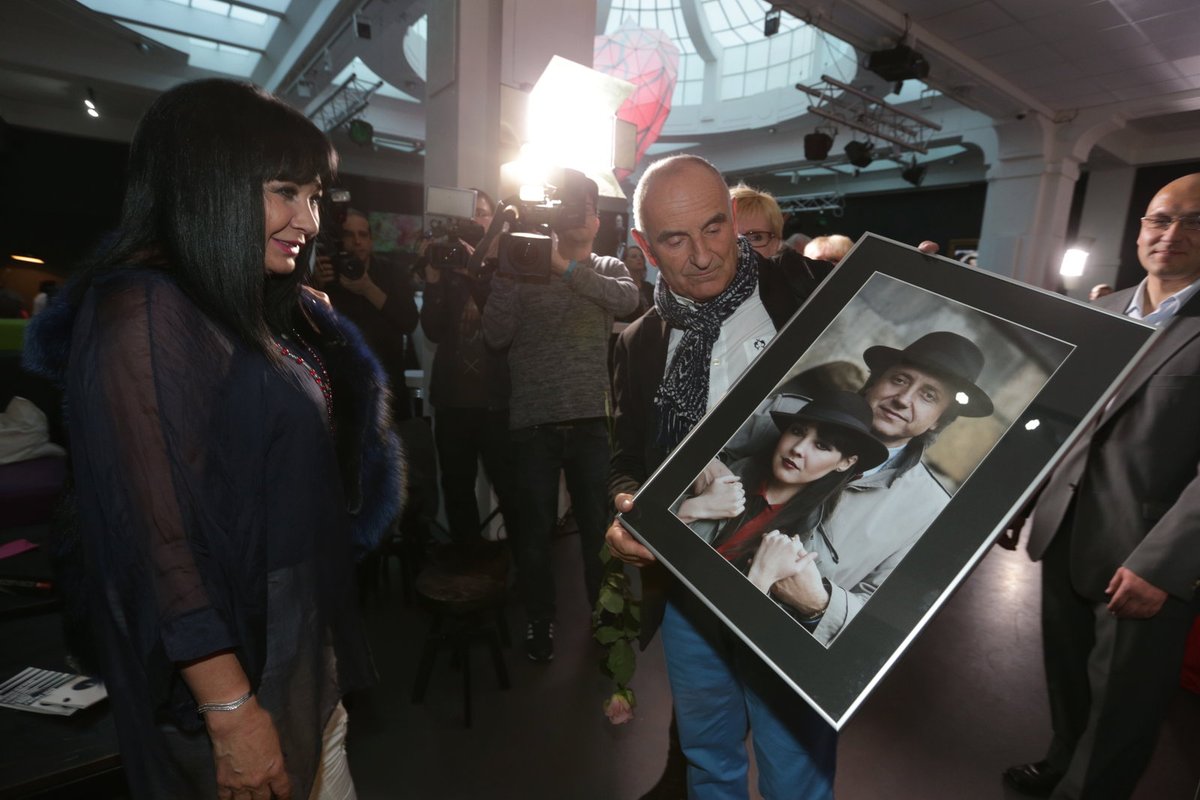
(967, 699)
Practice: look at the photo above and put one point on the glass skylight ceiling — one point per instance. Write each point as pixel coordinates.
(227, 37)
(666, 16)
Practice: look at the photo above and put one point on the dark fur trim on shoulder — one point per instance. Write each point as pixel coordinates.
(369, 452)
(48, 339)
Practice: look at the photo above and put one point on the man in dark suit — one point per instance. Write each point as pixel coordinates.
(1118, 530)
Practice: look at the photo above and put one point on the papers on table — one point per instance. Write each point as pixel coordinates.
(44, 691)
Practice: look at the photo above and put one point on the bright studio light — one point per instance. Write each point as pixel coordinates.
(569, 121)
(27, 259)
(530, 172)
(1073, 263)
(1033, 425)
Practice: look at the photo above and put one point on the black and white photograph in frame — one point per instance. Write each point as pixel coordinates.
(860, 468)
(825, 488)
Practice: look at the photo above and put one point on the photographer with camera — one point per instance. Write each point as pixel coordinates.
(469, 386)
(556, 326)
(374, 292)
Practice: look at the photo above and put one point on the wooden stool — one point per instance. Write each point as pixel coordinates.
(466, 606)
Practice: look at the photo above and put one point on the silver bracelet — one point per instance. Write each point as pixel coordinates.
(233, 705)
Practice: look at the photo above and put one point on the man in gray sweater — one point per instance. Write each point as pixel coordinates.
(556, 330)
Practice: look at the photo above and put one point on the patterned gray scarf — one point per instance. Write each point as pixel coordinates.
(682, 397)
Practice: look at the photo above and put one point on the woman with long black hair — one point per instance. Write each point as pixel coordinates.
(230, 452)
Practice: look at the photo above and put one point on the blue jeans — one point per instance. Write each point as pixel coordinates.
(722, 689)
(579, 448)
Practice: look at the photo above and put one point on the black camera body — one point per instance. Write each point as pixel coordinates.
(446, 250)
(329, 240)
(525, 255)
(526, 249)
(528, 222)
(445, 255)
(343, 263)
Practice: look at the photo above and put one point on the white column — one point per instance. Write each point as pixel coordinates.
(1028, 201)
(1031, 181)
(478, 50)
(1102, 226)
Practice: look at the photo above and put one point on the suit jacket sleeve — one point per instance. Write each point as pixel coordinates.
(1137, 495)
(633, 429)
(1169, 556)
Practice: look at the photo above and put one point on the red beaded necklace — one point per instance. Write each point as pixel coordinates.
(319, 375)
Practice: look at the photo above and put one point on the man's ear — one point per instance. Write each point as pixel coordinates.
(647, 251)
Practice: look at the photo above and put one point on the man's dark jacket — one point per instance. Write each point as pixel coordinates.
(639, 361)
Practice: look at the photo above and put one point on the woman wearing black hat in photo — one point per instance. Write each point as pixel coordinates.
(788, 486)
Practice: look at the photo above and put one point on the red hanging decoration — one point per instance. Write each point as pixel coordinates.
(650, 61)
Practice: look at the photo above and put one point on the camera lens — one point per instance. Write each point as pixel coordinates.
(524, 254)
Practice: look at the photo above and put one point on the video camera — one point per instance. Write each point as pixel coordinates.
(451, 222)
(537, 212)
(524, 224)
(329, 240)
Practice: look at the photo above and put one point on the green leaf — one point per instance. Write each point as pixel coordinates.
(635, 611)
(621, 662)
(611, 600)
(608, 634)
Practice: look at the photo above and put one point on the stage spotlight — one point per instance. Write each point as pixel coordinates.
(1073, 262)
(898, 64)
(361, 132)
(89, 104)
(914, 173)
(859, 153)
(816, 145)
(771, 24)
(362, 27)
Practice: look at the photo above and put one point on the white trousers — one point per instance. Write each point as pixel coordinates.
(333, 777)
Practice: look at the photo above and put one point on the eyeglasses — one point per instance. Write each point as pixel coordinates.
(759, 238)
(1189, 222)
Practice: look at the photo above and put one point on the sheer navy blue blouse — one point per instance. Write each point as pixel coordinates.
(213, 516)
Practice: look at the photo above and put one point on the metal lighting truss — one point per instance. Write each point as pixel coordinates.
(347, 102)
(831, 201)
(841, 103)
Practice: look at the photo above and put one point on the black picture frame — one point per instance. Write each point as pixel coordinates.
(1082, 353)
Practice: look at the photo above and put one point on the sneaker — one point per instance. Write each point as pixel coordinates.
(539, 640)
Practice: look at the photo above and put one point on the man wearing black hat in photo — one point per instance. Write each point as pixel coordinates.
(913, 394)
(556, 332)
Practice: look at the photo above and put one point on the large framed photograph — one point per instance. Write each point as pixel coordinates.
(852, 477)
